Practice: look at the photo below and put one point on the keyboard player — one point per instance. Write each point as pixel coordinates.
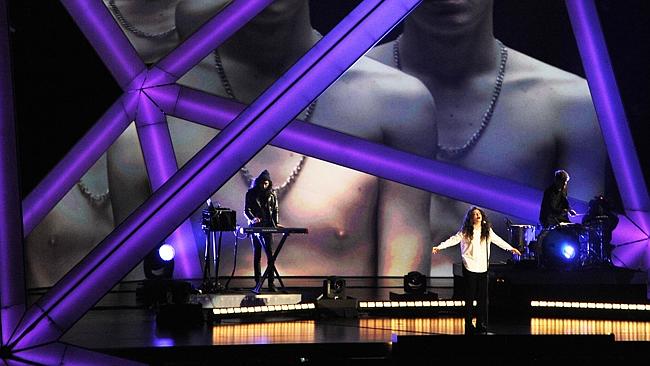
(261, 209)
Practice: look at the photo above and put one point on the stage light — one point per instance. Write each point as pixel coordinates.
(412, 304)
(568, 251)
(238, 312)
(166, 252)
(159, 263)
(415, 283)
(560, 249)
(334, 288)
(613, 309)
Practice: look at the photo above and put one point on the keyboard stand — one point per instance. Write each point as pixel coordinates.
(271, 264)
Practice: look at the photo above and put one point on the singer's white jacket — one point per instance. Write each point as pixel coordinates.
(476, 252)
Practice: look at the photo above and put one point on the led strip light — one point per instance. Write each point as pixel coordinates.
(262, 309)
(589, 305)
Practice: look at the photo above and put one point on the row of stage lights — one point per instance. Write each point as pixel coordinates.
(263, 309)
(163, 262)
(230, 312)
(589, 305)
(411, 304)
(369, 306)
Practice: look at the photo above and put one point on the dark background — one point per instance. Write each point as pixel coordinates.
(62, 88)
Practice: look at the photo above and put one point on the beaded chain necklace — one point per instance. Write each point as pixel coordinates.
(245, 173)
(449, 152)
(131, 28)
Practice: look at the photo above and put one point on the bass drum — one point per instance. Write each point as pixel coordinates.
(562, 246)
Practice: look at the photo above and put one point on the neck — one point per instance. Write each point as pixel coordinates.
(448, 56)
(272, 44)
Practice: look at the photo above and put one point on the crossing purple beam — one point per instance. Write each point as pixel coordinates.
(150, 120)
(101, 30)
(222, 157)
(373, 158)
(614, 125)
(210, 35)
(125, 65)
(76, 162)
(151, 123)
(123, 62)
(608, 104)
(160, 162)
(127, 68)
(12, 279)
(528, 207)
(65, 354)
(437, 177)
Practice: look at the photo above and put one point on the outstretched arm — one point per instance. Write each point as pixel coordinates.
(453, 240)
(496, 239)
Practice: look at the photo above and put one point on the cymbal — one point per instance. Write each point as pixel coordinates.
(598, 218)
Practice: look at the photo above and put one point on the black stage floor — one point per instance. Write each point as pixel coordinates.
(122, 326)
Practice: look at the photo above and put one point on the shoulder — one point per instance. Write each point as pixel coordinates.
(556, 85)
(384, 83)
(379, 91)
(383, 53)
(378, 102)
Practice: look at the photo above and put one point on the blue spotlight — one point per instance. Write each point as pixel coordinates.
(166, 252)
(560, 248)
(568, 251)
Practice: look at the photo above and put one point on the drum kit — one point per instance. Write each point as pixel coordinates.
(562, 246)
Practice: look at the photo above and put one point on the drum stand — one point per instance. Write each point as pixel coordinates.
(594, 253)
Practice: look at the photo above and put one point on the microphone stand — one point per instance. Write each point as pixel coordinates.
(487, 285)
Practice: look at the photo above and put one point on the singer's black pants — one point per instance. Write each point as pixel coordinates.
(258, 245)
(475, 289)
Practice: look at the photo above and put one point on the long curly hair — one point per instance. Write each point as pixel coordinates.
(468, 227)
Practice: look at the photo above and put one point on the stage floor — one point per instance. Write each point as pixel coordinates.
(134, 335)
(121, 327)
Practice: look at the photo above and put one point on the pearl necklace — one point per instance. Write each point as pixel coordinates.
(245, 173)
(455, 152)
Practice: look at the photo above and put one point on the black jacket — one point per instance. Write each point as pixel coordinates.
(555, 207)
(264, 208)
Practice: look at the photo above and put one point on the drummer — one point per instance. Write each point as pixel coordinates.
(555, 207)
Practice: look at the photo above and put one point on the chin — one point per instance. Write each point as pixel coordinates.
(451, 16)
(280, 10)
